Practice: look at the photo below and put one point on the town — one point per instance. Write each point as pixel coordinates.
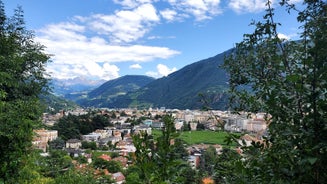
(117, 139)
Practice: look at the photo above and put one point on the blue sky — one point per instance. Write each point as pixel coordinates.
(106, 39)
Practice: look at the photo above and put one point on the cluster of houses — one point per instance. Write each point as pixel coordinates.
(119, 136)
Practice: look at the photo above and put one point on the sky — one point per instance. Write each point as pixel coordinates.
(107, 39)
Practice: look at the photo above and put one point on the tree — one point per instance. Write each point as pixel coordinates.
(22, 80)
(112, 165)
(73, 176)
(287, 80)
(209, 158)
(89, 145)
(56, 164)
(160, 161)
(57, 144)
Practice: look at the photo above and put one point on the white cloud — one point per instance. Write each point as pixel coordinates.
(253, 6)
(76, 54)
(126, 25)
(200, 9)
(244, 6)
(168, 14)
(132, 3)
(135, 66)
(152, 74)
(295, 1)
(90, 45)
(162, 70)
(160, 37)
(283, 36)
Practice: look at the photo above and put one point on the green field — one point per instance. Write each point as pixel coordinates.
(198, 137)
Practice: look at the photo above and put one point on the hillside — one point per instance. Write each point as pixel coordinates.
(180, 89)
(110, 90)
(53, 104)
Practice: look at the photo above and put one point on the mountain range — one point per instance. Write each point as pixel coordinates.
(62, 87)
(180, 90)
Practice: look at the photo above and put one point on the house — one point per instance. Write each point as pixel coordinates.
(178, 124)
(118, 177)
(256, 125)
(42, 137)
(122, 160)
(73, 144)
(125, 146)
(148, 122)
(142, 128)
(75, 152)
(158, 125)
(91, 137)
(194, 160)
(193, 125)
(105, 157)
(103, 133)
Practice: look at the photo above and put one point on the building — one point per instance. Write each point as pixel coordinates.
(73, 144)
(91, 137)
(42, 137)
(148, 122)
(118, 177)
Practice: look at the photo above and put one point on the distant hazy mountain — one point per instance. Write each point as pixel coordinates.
(110, 90)
(63, 87)
(180, 89)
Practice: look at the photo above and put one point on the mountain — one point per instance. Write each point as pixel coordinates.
(54, 104)
(180, 89)
(63, 87)
(113, 89)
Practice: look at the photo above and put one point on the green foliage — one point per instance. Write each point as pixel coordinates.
(72, 126)
(73, 177)
(209, 159)
(205, 136)
(112, 165)
(160, 161)
(89, 145)
(22, 80)
(57, 163)
(57, 144)
(288, 82)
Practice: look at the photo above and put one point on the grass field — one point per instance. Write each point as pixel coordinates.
(198, 137)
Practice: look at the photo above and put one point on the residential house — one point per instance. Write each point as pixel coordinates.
(158, 125)
(142, 128)
(42, 137)
(73, 144)
(148, 122)
(194, 160)
(118, 177)
(178, 124)
(91, 137)
(193, 125)
(122, 160)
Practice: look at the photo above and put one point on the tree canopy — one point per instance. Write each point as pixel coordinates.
(287, 80)
(22, 80)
